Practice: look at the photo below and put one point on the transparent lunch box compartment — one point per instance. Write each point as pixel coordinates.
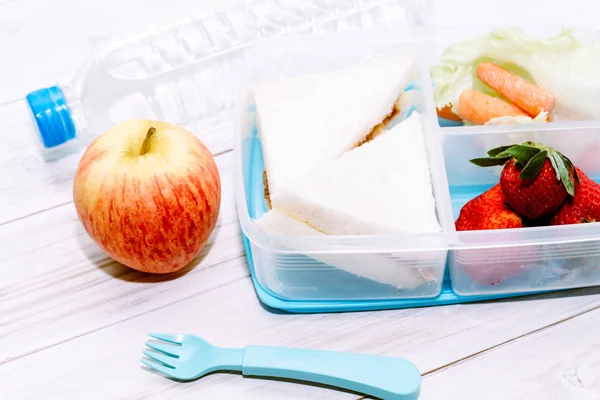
(438, 39)
(529, 259)
(525, 260)
(335, 267)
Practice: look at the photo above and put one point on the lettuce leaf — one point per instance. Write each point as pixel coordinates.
(561, 64)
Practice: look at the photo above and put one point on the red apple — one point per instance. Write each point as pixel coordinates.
(149, 194)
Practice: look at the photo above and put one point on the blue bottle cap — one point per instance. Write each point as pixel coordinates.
(52, 115)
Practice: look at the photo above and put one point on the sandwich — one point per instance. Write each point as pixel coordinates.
(306, 120)
(381, 187)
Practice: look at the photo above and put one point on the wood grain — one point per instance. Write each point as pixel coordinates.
(58, 284)
(559, 362)
(230, 315)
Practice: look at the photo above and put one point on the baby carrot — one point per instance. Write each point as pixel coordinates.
(525, 95)
(479, 108)
(447, 113)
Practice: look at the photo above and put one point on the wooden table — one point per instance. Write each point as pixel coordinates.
(73, 322)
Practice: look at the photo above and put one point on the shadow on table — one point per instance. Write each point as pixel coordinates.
(577, 292)
(117, 270)
(294, 381)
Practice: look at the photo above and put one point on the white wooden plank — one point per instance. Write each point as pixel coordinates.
(27, 183)
(557, 363)
(429, 337)
(231, 316)
(222, 316)
(55, 283)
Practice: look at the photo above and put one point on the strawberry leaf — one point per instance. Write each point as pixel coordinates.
(490, 161)
(534, 166)
(573, 169)
(498, 150)
(532, 156)
(552, 158)
(564, 172)
(521, 153)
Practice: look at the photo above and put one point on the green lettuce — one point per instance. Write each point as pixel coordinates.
(562, 64)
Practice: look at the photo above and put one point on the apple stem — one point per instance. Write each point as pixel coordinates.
(146, 144)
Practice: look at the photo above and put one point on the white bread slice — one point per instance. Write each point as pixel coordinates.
(383, 186)
(387, 270)
(309, 119)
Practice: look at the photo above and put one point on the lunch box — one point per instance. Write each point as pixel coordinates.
(301, 274)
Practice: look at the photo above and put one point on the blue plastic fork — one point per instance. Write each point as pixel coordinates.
(187, 357)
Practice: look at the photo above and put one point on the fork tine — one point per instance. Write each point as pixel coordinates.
(157, 367)
(163, 348)
(168, 361)
(166, 337)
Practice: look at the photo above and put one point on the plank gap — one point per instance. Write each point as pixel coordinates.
(35, 213)
(505, 343)
(8, 360)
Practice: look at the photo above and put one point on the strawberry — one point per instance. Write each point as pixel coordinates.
(536, 179)
(534, 198)
(583, 207)
(488, 211)
(495, 265)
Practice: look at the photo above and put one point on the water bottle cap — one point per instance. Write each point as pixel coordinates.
(52, 116)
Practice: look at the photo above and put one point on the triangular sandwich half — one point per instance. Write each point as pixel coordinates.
(383, 186)
(306, 120)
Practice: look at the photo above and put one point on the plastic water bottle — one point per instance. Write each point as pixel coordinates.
(186, 75)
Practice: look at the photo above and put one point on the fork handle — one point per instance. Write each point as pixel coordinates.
(382, 377)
